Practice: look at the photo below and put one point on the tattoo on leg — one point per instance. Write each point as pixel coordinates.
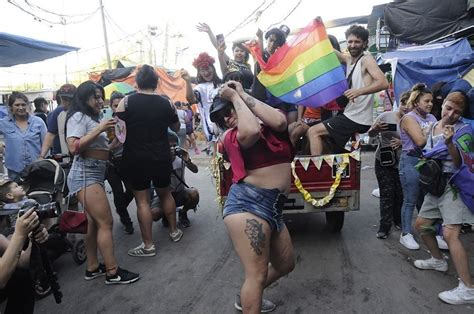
(254, 231)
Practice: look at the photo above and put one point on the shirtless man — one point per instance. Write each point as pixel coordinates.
(367, 79)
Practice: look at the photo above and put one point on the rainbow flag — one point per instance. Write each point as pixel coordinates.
(305, 70)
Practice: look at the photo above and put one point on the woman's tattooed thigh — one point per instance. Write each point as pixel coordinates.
(254, 231)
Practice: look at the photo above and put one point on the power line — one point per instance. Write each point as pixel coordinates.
(62, 20)
(112, 21)
(291, 12)
(247, 19)
(34, 6)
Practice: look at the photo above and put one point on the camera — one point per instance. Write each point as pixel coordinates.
(43, 211)
(177, 151)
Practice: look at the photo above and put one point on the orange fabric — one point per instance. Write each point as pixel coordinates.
(171, 85)
(312, 113)
(95, 76)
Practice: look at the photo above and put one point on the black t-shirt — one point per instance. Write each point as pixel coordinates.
(147, 119)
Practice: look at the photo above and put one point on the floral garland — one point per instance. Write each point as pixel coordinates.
(341, 166)
(216, 166)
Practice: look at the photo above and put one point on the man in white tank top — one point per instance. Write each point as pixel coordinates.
(366, 79)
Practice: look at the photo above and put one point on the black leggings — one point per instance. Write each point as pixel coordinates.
(121, 198)
(391, 196)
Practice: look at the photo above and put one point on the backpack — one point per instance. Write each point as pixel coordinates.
(432, 180)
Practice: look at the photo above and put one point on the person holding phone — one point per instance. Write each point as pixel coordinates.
(386, 170)
(240, 58)
(88, 143)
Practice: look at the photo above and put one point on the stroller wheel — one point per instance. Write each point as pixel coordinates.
(79, 252)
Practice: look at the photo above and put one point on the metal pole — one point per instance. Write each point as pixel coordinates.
(105, 35)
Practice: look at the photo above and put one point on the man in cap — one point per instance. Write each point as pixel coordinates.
(56, 122)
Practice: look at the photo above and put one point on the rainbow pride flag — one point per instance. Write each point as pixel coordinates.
(305, 70)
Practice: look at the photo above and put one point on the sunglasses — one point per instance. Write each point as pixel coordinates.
(224, 113)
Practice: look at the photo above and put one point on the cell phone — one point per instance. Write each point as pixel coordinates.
(220, 38)
(106, 113)
(392, 127)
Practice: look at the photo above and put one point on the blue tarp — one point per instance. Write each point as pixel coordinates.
(20, 50)
(428, 64)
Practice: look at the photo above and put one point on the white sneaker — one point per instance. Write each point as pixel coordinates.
(459, 295)
(432, 263)
(376, 192)
(409, 242)
(441, 243)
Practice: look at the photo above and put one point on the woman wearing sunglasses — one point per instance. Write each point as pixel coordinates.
(257, 144)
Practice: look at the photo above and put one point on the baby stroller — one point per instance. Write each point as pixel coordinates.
(45, 182)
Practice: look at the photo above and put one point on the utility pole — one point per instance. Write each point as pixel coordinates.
(105, 35)
(164, 57)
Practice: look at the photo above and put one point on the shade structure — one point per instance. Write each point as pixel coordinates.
(21, 50)
(305, 70)
(120, 87)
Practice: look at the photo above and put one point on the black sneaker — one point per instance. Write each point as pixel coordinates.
(100, 271)
(128, 228)
(122, 276)
(183, 220)
(267, 306)
(382, 235)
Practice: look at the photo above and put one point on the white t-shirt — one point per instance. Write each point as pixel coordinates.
(207, 92)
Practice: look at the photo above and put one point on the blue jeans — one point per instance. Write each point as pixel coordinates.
(85, 172)
(264, 203)
(410, 186)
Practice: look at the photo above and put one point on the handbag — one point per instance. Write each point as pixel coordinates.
(388, 157)
(432, 179)
(72, 221)
(342, 100)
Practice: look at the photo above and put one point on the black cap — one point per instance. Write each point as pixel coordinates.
(217, 105)
(67, 90)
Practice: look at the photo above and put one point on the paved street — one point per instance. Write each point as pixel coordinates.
(350, 272)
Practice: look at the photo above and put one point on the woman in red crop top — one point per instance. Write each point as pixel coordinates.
(257, 143)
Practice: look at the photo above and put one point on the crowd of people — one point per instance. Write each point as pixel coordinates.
(260, 136)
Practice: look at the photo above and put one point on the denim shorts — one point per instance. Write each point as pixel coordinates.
(85, 172)
(263, 203)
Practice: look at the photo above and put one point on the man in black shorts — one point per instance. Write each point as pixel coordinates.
(366, 79)
(183, 195)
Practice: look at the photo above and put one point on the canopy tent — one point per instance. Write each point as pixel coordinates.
(428, 64)
(421, 21)
(20, 50)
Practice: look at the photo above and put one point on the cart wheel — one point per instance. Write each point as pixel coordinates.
(79, 252)
(335, 221)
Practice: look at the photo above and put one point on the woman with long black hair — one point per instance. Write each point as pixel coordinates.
(87, 140)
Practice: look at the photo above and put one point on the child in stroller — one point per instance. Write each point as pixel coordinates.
(44, 182)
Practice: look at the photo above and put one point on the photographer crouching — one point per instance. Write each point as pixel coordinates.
(16, 283)
(183, 195)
